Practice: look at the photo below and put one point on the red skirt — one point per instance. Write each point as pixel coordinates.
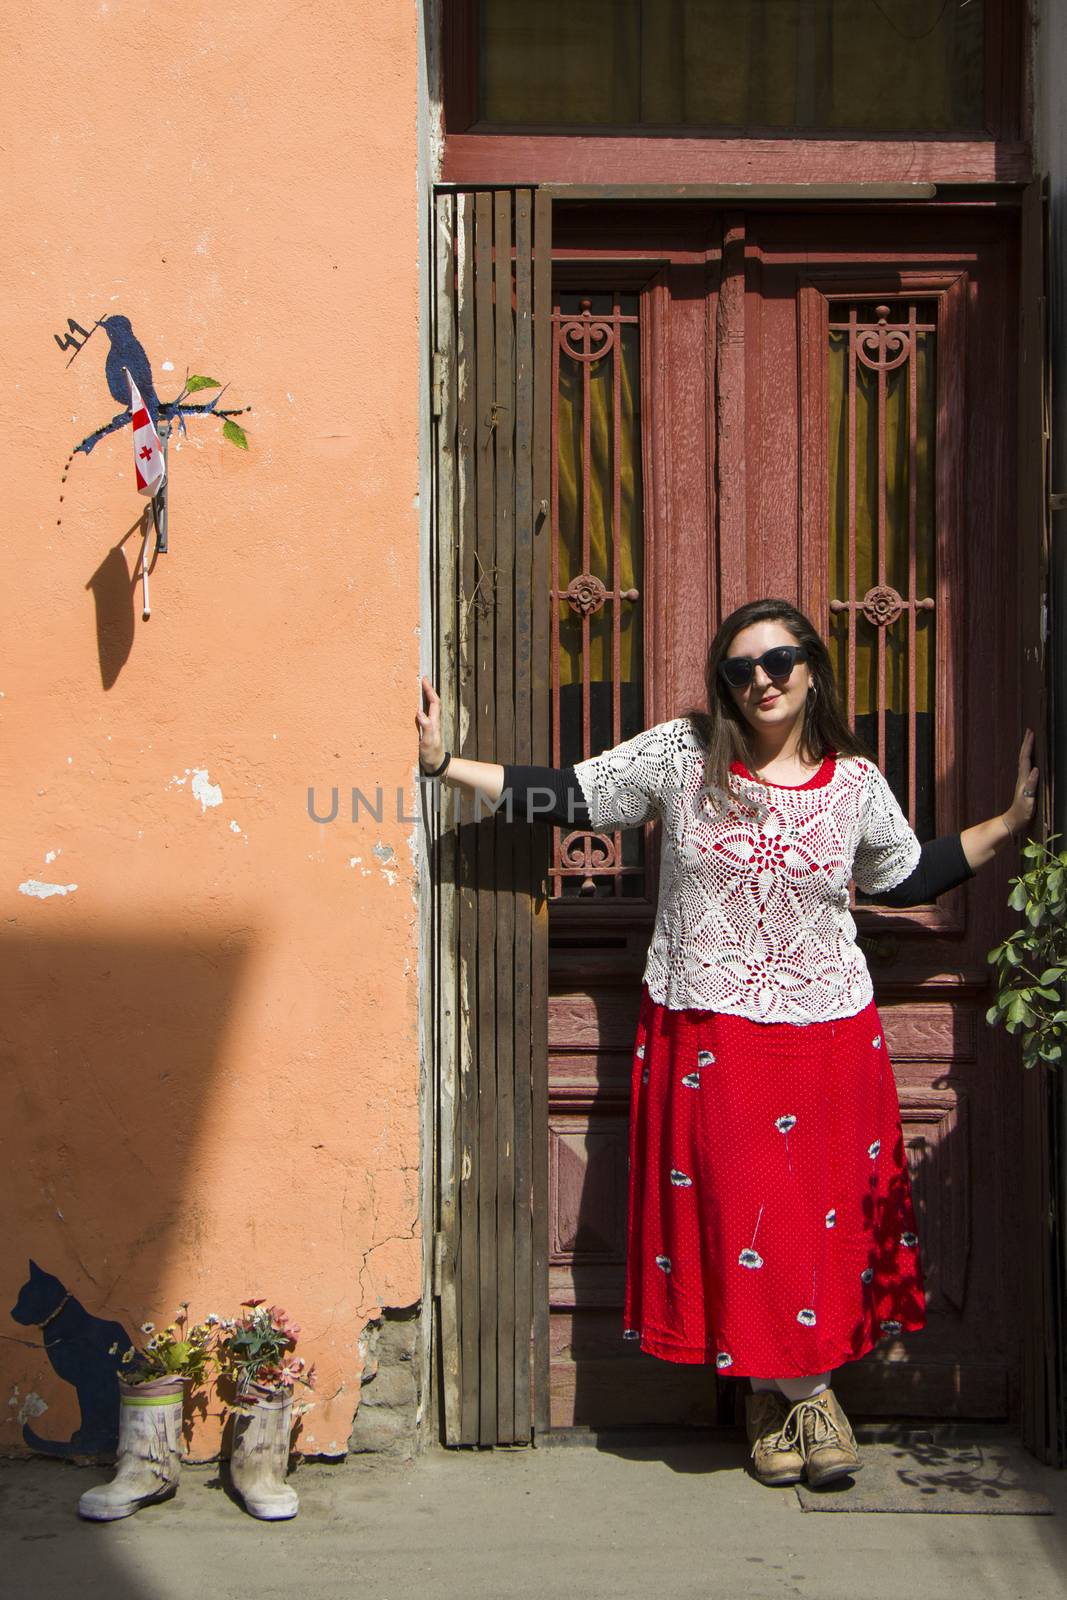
(770, 1222)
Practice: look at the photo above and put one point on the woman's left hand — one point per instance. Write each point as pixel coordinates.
(1020, 813)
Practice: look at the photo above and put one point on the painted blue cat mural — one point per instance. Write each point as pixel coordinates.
(79, 1347)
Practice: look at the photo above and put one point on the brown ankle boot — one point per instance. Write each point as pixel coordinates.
(823, 1434)
(773, 1460)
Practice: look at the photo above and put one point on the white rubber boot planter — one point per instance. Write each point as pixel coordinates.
(260, 1455)
(149, 1458)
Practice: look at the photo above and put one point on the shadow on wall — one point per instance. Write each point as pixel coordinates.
(110, 1047)
(114, 587)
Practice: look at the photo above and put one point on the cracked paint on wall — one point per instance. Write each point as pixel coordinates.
(201, 787)
(29, 1405)
(208, 793)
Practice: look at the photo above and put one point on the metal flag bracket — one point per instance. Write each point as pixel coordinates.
(159, 499)
(159, 522)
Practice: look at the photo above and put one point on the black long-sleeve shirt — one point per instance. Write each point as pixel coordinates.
(557, 798)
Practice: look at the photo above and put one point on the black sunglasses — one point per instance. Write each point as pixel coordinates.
(738, 671)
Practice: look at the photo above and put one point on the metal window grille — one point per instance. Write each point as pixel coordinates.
(883, 423)
(597, 696)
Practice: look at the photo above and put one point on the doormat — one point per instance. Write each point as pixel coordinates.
(972, 1477)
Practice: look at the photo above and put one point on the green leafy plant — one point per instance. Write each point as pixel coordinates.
(256, 1349)
(193, 385)
(176, 1351)
(235, 434)
(1032, 962)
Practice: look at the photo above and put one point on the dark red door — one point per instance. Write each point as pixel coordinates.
(819, 406)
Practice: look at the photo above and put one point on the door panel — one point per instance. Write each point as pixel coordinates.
(768, 471)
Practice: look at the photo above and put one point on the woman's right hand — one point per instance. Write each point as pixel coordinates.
(428, 722)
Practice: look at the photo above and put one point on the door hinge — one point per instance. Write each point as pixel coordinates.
(437, 384)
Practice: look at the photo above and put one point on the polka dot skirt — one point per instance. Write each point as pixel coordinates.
(770, 1220)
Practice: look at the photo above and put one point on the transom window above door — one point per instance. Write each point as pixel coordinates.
(862, 66)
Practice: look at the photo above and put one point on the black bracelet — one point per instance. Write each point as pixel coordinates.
(436, 773)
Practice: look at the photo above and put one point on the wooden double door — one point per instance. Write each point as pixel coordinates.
(818, 404)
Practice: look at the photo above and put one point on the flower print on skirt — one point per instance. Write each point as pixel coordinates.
(767, 1167)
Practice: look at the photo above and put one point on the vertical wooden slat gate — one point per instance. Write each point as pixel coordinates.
(491, 372)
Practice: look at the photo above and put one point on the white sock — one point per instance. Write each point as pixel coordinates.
(796, 1389)
(759, 1385)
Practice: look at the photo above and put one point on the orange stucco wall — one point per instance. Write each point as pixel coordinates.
(210, 1044)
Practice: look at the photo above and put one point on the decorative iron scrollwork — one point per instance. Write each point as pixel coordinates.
(882, 348)
(587, 853)
(578, 336)
(882, 605)
(586, 594)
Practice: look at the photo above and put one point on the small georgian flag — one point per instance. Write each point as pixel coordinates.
(147, 451)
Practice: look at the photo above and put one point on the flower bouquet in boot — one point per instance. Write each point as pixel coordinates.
(255, 1352)
(153, 1379)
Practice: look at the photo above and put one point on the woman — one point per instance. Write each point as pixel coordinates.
(770, 1219)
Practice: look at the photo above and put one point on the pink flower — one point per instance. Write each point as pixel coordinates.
(284, 1323)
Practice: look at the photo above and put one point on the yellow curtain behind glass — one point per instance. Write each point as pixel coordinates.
(601, 511)
(896, 556)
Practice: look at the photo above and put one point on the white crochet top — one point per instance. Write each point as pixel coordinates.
(753, 914)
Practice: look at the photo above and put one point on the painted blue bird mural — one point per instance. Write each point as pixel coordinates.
(126, 361)
(126, 350)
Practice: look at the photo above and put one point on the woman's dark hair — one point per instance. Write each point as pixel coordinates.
(722, 729)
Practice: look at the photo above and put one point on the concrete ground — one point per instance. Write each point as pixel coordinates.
(667, 1520)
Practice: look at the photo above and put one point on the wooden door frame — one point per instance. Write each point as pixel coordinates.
(1042, 1371)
